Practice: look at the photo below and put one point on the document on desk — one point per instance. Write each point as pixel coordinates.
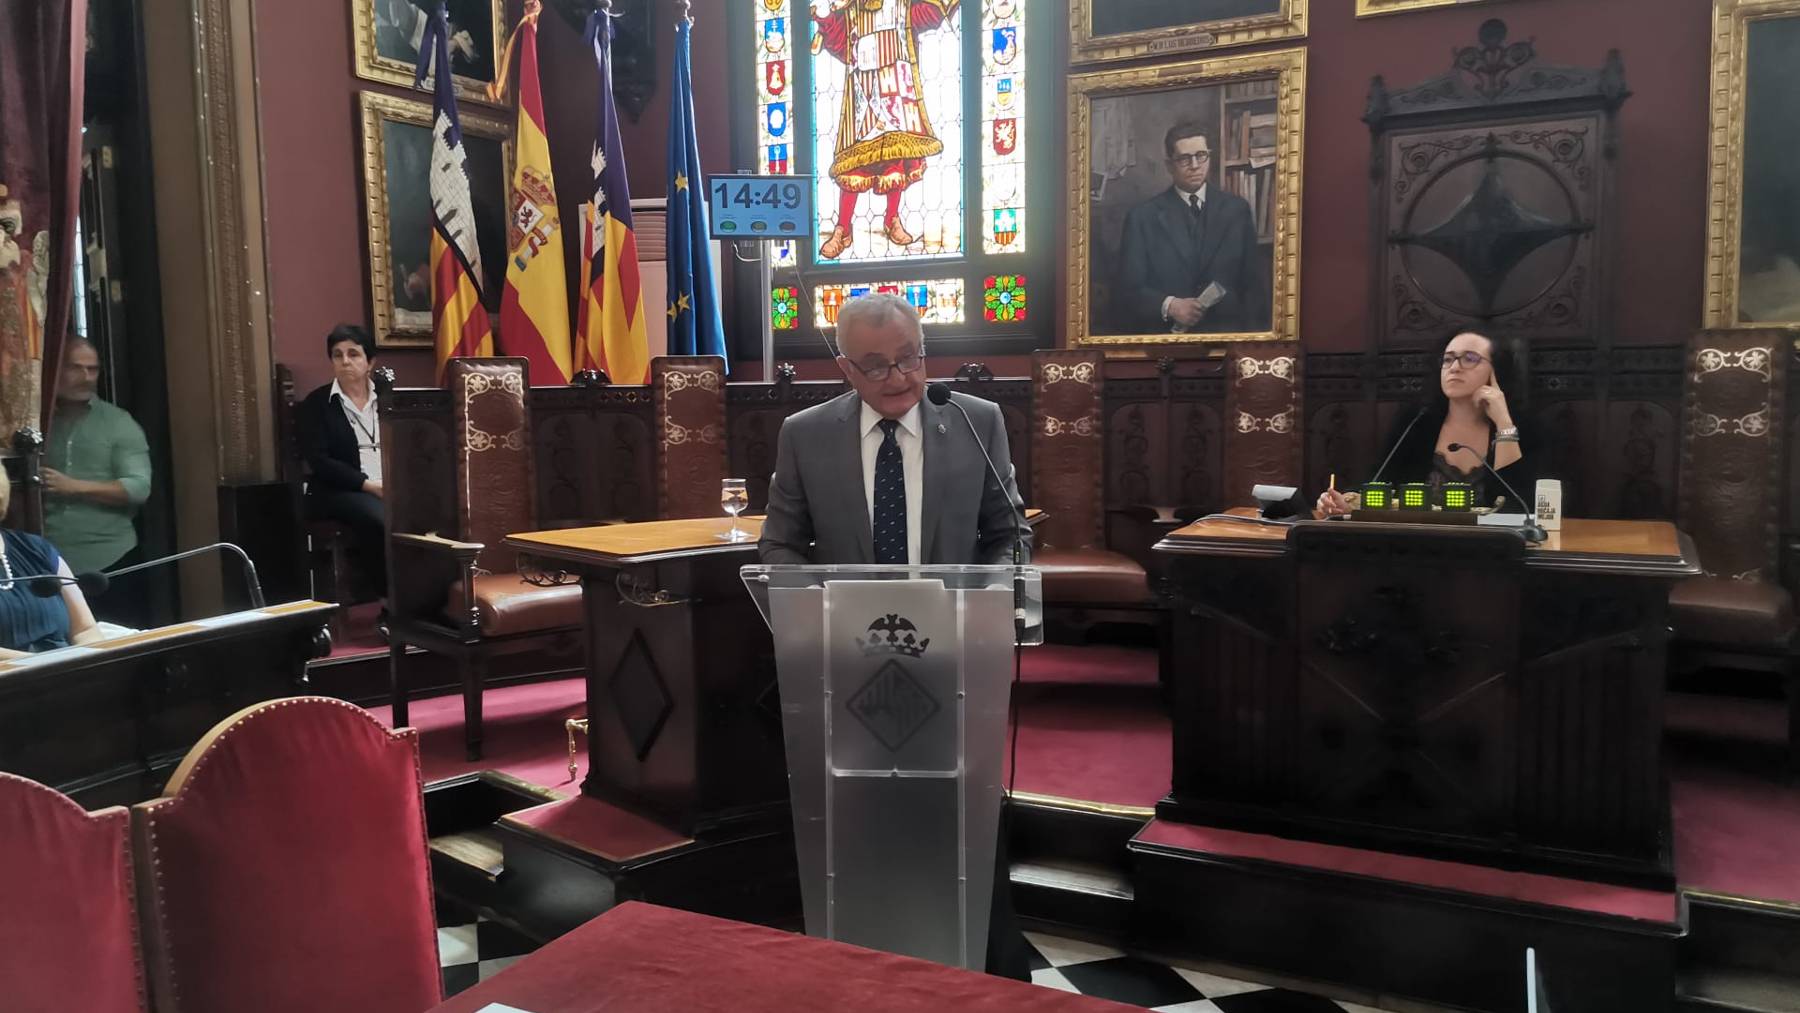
(1502, 520)
(500, 1007)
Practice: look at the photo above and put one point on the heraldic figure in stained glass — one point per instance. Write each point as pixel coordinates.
(884, 136)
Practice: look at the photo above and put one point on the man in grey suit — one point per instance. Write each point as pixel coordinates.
(880, 475)
(831, 496)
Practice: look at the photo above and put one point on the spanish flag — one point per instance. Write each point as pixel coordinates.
(534, 306)
(459, 321)
(613, 335)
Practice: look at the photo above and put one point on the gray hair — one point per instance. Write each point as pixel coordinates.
(874, 309)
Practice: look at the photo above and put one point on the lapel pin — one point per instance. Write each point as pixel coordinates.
(942, 429)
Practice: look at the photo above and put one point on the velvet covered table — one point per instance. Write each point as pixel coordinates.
(639, 958)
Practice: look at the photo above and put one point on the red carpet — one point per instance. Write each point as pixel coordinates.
(1093, 729)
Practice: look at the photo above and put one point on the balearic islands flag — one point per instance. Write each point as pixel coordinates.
(694, 325)
(613, 336)
(534, 307)
(459, 321)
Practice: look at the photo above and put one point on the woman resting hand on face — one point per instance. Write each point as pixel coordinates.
(1469, 410)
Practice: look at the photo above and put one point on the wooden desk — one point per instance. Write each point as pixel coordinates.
(1431, 689)
(106, 723)
(684, 719)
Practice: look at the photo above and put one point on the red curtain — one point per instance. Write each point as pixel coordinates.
(43, 45)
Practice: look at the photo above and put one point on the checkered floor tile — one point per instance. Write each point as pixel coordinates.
(471, 949)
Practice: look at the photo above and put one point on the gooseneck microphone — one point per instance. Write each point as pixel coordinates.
(49, 585)
(251, 585)
(1395, 449)
(1529, 529)
(938, 394)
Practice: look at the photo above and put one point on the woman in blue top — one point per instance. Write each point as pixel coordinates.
(30, 623)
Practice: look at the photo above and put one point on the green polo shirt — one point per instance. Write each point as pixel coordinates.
(101, 444)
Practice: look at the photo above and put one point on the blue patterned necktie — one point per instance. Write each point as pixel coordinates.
(890, 499)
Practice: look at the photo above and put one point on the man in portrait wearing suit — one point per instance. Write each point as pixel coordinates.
(1188, 257)
(879, 475)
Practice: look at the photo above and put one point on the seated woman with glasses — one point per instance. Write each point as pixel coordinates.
(1466, 408)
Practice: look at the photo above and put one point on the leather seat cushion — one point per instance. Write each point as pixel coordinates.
(1719, 610)
(508, 605)
(1091, 576)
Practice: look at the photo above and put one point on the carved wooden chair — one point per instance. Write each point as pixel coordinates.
(327, 544)
(1084, 581)
(460, 594)
(25, 511)
(1733, 445)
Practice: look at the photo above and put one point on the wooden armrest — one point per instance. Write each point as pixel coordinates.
(421, 569)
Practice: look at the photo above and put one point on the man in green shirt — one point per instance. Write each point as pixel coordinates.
(97, 468)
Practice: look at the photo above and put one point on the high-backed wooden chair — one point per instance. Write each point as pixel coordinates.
(1733, 446)
(1083, 579)
(69, 925)
(688, 392)
(327, 543)
(1263, 442)
(285, 867)
(459, 594)
(25, 511)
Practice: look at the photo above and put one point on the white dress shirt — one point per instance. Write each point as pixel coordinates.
(365, 425)
(1195, 200)
(912, 461)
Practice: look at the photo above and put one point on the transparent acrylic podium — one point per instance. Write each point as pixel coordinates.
(894, 690)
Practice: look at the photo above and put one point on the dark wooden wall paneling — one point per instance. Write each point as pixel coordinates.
(1611, 420)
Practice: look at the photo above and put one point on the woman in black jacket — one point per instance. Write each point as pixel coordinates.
(1465, 408)
(340, 437)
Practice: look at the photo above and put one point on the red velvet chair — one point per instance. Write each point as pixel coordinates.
(285, 867)
(68, 920)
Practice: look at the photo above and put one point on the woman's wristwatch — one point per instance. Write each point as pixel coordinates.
(1508, 435)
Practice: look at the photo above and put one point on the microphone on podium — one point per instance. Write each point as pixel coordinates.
(1530, 530)
(938, 393)
(252, 586)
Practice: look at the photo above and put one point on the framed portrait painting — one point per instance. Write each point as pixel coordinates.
(1102, 30)
(1184, 197)
(396, 166)
(1372, 8)
(388, 34)
(1753, 222)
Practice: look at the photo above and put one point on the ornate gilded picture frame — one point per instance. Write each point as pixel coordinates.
(1753, 220)
(387, 34)
(396, 170)
(1184, 196)
(1102, 30)
(1375, 8)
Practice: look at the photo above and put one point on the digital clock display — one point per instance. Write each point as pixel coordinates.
(759, 207)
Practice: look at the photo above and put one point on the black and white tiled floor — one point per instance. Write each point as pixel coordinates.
(475, 949)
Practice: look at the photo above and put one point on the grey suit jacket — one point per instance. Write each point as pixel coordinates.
(818, 512)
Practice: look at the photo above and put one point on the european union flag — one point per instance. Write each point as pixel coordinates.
(694, 325)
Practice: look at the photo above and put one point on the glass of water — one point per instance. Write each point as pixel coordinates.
(735, 498)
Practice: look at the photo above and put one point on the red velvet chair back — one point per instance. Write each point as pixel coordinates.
(1731, 450)
(494, 482)
(689, 397)
(1067, 449)
(68, 920)
(285, 867)
(1262, 415)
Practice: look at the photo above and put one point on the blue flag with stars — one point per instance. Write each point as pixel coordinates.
(694, 325)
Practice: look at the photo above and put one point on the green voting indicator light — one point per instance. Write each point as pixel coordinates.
(1378, 496)
(1415, 496)
(1458, 496)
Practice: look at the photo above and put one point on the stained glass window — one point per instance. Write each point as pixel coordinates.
(1003, 126)
(911, 119)
(887, 129)
(784, 308)
(774, 110)
(1004, 300)
(938, 302)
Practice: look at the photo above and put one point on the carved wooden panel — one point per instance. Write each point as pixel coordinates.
(1493, 195)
